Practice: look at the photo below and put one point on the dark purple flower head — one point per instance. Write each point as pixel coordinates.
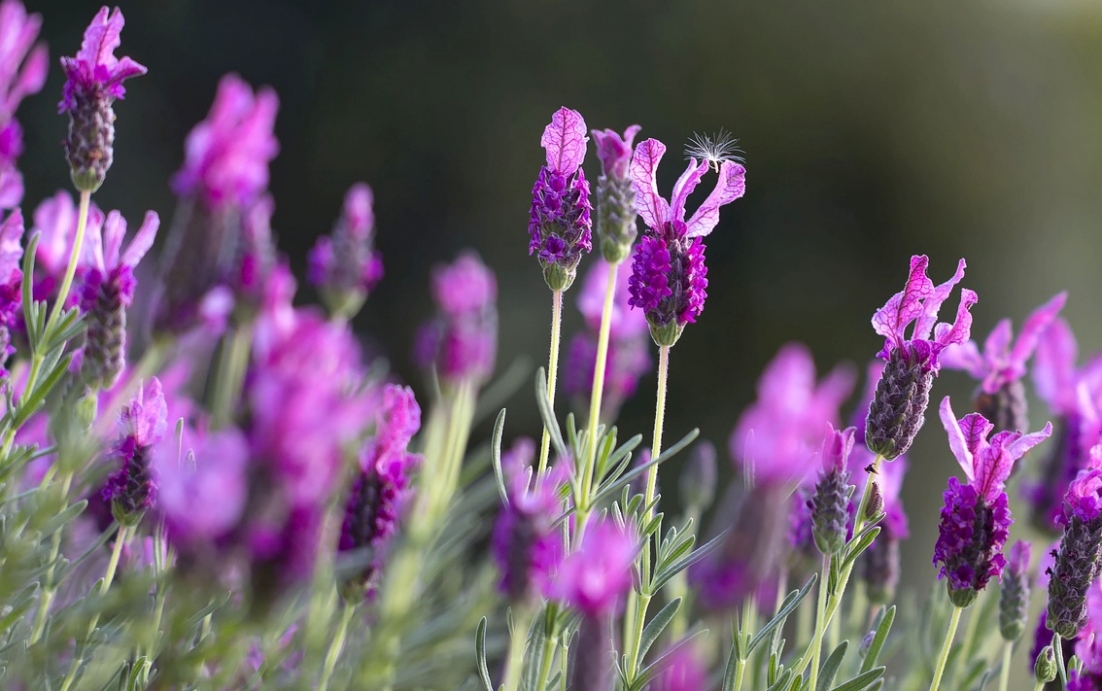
(95, 69)
(461, 342)
(559, 221)
(526, 546)
(227, 155)
(889, 480)
(976, 517)
(132, 488)
(596, 577)
(346, 266)
(919, 303)
(1077, 560)
(1004, 360)
(93, 80)
(615, 151)
(776, 438)
(668, 274)
(381, 488)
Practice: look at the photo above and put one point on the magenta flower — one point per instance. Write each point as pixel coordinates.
(132, 489)
(11, 277)
(257, 258)
(93, 80)
(346, 266)
(526, 546)
(615, 195)
(23, 68)
(227, 155)
(461, 343)
(683, 671)
(625, 323)
(903, 393)
(1077, 560)
(107, 291)
(976, 518)
(1001, 366)
(595, 578)
(382, 486)
(559, 220)
(1073, 393)
(668, 273)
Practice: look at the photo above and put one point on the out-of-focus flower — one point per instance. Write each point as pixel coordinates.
(1014, 592)
(903, 393)
(346, 266)
(615, 196)
(11, 278)
(1076, 565)
(668, 279)
(132, 489)
(595, 578)
(93, 80)
(23, 69)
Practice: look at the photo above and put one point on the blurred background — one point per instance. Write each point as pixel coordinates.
(871, 132)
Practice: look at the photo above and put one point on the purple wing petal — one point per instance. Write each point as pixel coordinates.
(906, 306)
(730, 186)
(114, 230)
(1054, 364)
(964, 356)
(684, 186)
(1035, 325)
(958, 443)
(1024, 442)
(997, 345)
(927, 317)
(564, 140)
(91, 48)
(961, 327)
(644, 167)
(142, 241)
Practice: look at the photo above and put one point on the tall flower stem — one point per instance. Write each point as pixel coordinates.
(347, 610)
(659, 421)
(1004, 673)
(74, 258)
(599, 368)
(518, 640)
(820, 624)
(549, 645)
(1061, 668)
(233, 361)
(943, 657)
(552, 370)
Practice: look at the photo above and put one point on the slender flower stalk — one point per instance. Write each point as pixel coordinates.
(599, 377)
(552, 371)
(943, 656)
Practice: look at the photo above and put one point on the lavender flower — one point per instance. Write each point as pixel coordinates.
(559, 221)
(897, 410)
(976, 517)
(615, 196)
(461, 342)
(1073, 394)
(108, 291)
(526, 546)
(382, 485)
(595, 578)
(1014, 593)
(11, 280)
(828, 505)
(1000, 368)
(668, 273)
(23, 71)
(131, 490)
(346, 267)
(1076, 565)
(683, 671)
(93, 80)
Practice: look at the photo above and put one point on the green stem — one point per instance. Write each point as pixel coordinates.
(233, 361)
(335, 647)
(50, 588)
(546, 662)
(518, 640)
(599, 380)
(1061, 669)
(659, 420)
(74, 258)
(942, 658)
(1039, 686)
(820, 624)
(552, 371)
(1004, 673)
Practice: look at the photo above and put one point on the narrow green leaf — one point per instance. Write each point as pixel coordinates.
(495, 456)
(546, 413)
(860, 545)
(657, 625)
(480, 655)
(791, 602)
(829, 669)
(862, 681)
(63, 518)
(782, 681)
(887, 616)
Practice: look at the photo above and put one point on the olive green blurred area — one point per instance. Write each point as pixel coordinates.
(872, 131)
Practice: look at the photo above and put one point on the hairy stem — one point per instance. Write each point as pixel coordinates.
(552, 371)
(943, 657)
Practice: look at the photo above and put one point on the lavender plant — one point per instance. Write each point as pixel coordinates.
(204, 485)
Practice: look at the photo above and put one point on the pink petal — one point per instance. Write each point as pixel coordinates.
(11, 251)
(644, 167)
(93, 240)
(564, 140)
(1034, 327)
(143, 240)
(114, 230)
(961, 327)
(904, 307)
(964, 356)
(730, 186)
(1054, 364)
(927, 317)
(958, 442)
(997, 345)
(95, 36)
(685, 186)
(1018, 448)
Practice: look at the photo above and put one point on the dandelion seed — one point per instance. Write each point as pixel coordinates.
(714, 148)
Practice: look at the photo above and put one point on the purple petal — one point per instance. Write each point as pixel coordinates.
(11, 251)
(961, 327)
(904, 307)
(1054, 365)
(997, 344)
(114, 230)
(613, 151)
(1023, 443)
(684, 187)
(964, 356)
(958, 442)
(101, 37)
(1034, 327)
(730, 186)
(644, 168)
(564, 140)
(142, 241)
(927, 317)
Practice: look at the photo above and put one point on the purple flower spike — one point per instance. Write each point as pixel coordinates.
(595, 578)
(132, 489)
(615, 194)
(829, 503)
(1001, 366)
(1014, 593)
(615, 151)
(108, 291)
(382, 487)
(1076, 566)
(668, 273)
(976, 517)
(93, 80)
(227, 155)
(11, 282)
(461, 343)
(345, 266)
(559, 221)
